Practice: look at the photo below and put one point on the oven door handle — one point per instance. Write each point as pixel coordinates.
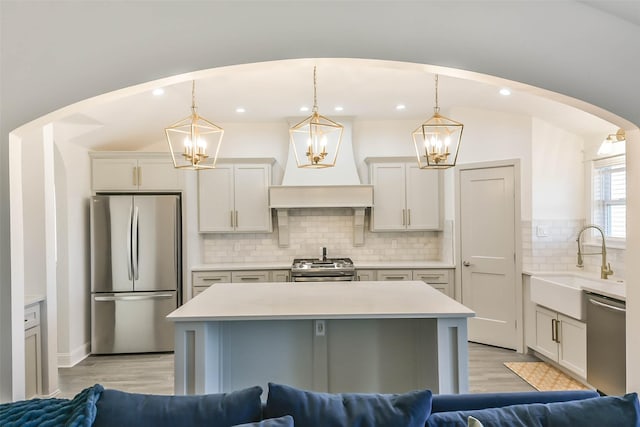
(323, 279)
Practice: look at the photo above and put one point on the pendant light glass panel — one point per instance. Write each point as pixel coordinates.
(194, 141)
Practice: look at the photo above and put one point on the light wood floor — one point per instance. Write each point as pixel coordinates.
(153, 373)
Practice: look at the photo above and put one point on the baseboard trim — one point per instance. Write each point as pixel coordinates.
(68, 360)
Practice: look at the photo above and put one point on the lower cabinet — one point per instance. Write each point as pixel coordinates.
(32, 351)
(562, 339)
(440, 279)
(201, 280)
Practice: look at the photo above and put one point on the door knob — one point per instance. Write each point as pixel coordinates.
(466, 263)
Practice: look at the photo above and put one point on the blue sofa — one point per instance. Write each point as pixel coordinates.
(287, 406)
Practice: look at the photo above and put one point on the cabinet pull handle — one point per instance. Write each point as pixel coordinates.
(211, 279)
(408, 216)
(236, 218)
(404, 216)
(250, 278)
(558, 331)
(135, 175)
(553, 330)
(394, 278)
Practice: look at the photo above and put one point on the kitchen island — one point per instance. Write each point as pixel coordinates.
(378, 337)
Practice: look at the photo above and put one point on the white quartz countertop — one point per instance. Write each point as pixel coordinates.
(237, 266)
(612, 287)
(319, 300)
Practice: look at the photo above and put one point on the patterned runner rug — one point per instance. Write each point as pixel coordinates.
(544, 377)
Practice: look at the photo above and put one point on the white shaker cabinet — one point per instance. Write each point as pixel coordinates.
(234, 198)
(131, 171)
(32, 351)
(561, 339)
(405, 197)
(440, 279)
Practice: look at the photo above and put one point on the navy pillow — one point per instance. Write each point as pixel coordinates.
(286, 421)
(596, 412)
(118, 408)
(311, 409)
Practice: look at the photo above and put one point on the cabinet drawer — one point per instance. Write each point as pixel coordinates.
(432, 276)
(198, 290)
(394, 275)
(281, 276)
(249, 276)
(207, 278)
(31, 316)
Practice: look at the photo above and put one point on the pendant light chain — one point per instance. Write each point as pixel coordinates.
(193, 97)
(315, 92)
(436, 108)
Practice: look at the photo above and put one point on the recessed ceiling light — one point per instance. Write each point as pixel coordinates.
(505, 92)
(400, 107)
(240, 110)
(338, 108)
(303, 109)
(158, 91)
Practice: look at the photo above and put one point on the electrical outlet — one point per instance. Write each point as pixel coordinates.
(320, 328)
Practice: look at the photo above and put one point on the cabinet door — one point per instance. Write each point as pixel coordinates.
(389, 211)
(215, 199)
(423, 198)
(114, 174)
(394, 275)
(572, 353)
(281, 276)
(252, 213)
(32, 362)
(158, 175)
(365, 275)
(545, 323)
(249, 276)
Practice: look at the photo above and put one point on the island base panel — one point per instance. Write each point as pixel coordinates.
(344, 355)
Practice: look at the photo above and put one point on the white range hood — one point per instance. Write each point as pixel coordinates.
(338, 186)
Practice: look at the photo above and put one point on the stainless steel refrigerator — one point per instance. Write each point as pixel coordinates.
(135, 272)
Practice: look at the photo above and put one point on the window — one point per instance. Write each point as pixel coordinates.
(609, 196)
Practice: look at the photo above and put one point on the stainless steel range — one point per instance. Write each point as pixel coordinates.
(322, 270)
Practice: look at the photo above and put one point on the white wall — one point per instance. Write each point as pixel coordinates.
(57, 64)
(73, 178)
(557, 173)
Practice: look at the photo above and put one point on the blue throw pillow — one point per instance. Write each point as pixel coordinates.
(118, 408)
(77, 412)
(286, 421)
(596, 412)
(311, 409)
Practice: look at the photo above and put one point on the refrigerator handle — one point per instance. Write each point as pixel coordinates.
(134, 244)
(129, 254)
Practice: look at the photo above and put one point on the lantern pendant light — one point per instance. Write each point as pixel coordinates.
(316, 139)
(192, 138)
(437, 140)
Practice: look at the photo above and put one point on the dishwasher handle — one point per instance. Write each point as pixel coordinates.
(607, 306)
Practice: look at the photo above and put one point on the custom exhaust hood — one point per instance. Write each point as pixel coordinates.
(336, 187)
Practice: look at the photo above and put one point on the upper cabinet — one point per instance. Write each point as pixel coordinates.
(234, 197)
(132, 171)
(405, 197)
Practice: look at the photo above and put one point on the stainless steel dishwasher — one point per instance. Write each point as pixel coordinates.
(606, 344)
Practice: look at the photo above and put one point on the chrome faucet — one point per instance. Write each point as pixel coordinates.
(605, 268)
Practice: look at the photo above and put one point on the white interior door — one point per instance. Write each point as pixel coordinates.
(487, 235)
